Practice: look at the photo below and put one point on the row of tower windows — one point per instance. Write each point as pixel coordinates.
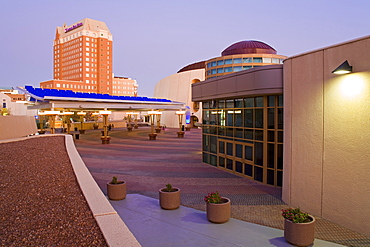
(244, 60)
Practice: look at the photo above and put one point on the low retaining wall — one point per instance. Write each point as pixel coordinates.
(17, 126)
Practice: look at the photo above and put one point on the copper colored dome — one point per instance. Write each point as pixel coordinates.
(193, 66)
(248, 47)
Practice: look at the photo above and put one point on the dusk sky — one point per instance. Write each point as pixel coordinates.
(154, 39)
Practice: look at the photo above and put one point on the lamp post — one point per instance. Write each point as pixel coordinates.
(41, 120)
(52, 114)
(158, 117)
(67, 119)
(152, 135)
(181, 133)
(135, 114)
(105, 138)
(81, 114)
(129, 117)
(96, 125)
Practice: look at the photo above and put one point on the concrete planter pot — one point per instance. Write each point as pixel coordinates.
(169, 200)
(116, 191)
(105, 139)
(152, 136)
(82, 131)
(299, 234)
(219, 212)
(180, 134)
(158, 130)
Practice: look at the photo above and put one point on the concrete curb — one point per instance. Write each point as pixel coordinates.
(113, 228)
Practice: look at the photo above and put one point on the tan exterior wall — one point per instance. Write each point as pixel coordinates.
(177, 87)
(327, 137)
(257, 81)
(17, 126)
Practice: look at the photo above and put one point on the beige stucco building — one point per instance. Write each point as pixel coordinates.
(178, 87)
(326, 134)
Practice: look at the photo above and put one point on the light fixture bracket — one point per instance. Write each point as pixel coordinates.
(344, 68)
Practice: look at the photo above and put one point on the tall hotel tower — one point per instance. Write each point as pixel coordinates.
(83, 60)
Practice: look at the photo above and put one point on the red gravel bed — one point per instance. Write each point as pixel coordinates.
(41, 201)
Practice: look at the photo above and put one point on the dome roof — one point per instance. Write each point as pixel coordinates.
(248, 47)
(193, 66)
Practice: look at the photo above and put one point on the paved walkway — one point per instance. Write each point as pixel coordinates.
(147, 166)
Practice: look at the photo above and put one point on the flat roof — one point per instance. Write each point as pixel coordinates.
(40, 98)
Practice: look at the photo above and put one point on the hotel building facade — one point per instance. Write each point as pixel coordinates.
(83, 55)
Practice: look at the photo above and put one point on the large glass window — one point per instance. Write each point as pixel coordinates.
(213, 64)
(238, 167)
(257, 60)
(239, 150)
(238, 103)
(213, 144)
(220, 62)
(248, 170)
(271, 118)
(221, 147)
(258, 118)
(258, 173)
(248, 102)
(228, 61)
(238, 118)
(280, 118)
(221, 104)
(237, 68)
(275, 60)
(205, 117)
(220, 70)
(228, 69)
(248, 153)
(213, 160)
(266, 60)
(258, 153)
(248, 118)
(230, 118)
(245, 136)
(258, 101)
(280, 100)
(271, 100)
(229, 103)
(247, 60)
(229, 149)
(237, 60)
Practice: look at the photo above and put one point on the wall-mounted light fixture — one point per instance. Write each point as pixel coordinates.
(344, 68)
